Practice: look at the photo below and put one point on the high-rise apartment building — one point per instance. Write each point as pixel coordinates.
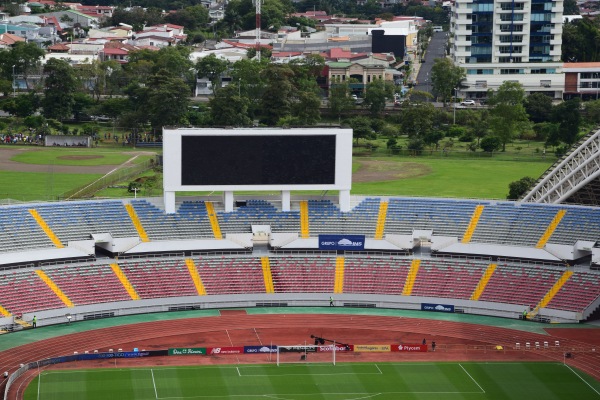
(508, 40)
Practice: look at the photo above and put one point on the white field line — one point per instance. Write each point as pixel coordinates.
(154, 384)
(586, 382)
(473, 379)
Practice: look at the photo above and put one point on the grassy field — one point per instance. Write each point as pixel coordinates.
(383, 381)
(387, 175)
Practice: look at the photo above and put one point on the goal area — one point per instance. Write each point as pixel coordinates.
(299, 354)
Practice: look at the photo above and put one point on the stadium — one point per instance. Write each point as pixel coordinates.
(305, 294)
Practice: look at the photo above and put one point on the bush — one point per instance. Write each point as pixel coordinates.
(490, 144)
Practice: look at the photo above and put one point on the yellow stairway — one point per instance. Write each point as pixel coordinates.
(4, 312)
(38, 218)
(304, 228)
(23, 323)
(195, 277)
(550, 229)
(214, 222)
(380, 228)
(338, 286)
(137, 223)
(124, 281)
(411, 277)
(472, 224)
(267, 276)
(552, 292)
(63, 297)
(487, 275)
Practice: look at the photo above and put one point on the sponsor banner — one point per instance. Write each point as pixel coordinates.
(260, 349)
(409, 347)
(225, 350)
(437, 307)
(338, 347)
(298, 349)
(342, 242)
(118, 354)
(187, 351)
(372, 348)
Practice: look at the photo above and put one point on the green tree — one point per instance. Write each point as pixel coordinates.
(81, 102)
(60, 86)
(568, 115)
(22, 106)
(212, 68)
(570, 7)
(228, 108)
(592, 111)
(340, 102)
(276, 101)
(417, 121)
(518, 188)
(306, 102)
(508, 115)
(23, 59)
(167, 100)
(490, 144)
(539, 107)
(361, 127)
(445, 77)
(191, 18)
(377, 93)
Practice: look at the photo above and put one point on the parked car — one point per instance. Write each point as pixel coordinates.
(467, 103)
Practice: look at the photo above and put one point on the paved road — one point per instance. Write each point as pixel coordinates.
(436, 49)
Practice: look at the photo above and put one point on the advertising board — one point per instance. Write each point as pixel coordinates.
(342, 242)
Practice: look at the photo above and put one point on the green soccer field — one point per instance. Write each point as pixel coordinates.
(381, 381)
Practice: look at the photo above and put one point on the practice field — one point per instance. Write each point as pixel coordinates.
(381, 381)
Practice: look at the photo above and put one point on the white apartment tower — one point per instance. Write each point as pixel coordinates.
(508, 40)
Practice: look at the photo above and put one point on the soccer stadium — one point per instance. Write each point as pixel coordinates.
(311, 294)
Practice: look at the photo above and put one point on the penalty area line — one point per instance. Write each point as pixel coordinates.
(473, 379)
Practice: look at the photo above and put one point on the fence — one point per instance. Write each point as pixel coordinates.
(116, 176)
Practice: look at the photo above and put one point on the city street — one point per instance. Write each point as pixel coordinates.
(436, 49)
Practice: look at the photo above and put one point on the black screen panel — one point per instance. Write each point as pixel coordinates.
(258, 160)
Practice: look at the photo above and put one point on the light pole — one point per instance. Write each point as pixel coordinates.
(13, 83)
(454, 100)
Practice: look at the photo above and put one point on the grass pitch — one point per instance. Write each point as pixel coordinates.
(381, 381)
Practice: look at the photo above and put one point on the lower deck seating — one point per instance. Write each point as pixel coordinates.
(230, 275)
(578, 292)
(88, 283)
(522, 285)
(303, 274)
(159, 278)
(23, 291)
(383, 275)
(448, 279)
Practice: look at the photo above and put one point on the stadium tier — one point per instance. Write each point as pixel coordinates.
(61, 257)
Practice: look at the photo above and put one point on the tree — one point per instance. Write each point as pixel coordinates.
(276, 101)
(59, 89)
(23, 59)
(228, 108)
(490, 144)
(518, 188)
(377, 93)
(306, 103)
(445, 77)
(417, 121)
(539, 107)
(361, 128)
(340, 102)
(568, 115)
(508, 116)
(191, 18)
(22, 106)
(167, 100)
(212, 68)
(571, 7)
(478, 124)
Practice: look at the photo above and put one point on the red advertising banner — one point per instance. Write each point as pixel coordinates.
(224, 350)
(338, 347)
(409, 347)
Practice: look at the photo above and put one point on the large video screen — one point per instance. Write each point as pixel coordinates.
(258, 160)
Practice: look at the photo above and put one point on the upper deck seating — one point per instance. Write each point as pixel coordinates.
(79, 220)
(443, 217)
(190, 222)
(19, 231)
(258, 212)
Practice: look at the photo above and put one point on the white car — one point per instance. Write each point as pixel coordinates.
(467, 103)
